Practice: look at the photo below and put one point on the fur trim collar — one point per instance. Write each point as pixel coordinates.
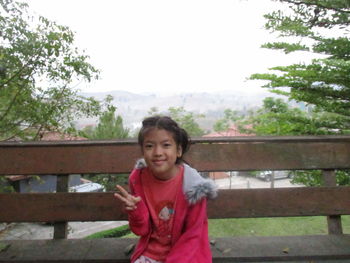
(195, 187)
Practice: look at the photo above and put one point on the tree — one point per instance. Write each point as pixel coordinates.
(325, 82)
(185, 119)
(321, 27)
(39, 65)
(277, 117)
(110, 126)
(230, 117)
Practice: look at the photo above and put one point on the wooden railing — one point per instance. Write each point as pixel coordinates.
(327, 153)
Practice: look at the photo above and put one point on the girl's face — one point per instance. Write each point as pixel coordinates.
(160, 152)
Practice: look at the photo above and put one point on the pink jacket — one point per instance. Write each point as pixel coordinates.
(190, 243)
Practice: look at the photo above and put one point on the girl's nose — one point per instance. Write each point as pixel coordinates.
(157, 151)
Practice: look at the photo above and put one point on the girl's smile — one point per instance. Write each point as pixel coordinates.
(160, 153)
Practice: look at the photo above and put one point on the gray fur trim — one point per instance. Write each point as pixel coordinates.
(140, 163)
(196, 187)
(206, 189)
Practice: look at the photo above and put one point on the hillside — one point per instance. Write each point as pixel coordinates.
(134, 107)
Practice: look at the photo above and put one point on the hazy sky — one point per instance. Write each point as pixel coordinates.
(170, 46)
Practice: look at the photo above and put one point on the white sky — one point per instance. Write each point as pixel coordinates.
(170, 46)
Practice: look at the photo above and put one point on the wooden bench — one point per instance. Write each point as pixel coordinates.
(327, 153)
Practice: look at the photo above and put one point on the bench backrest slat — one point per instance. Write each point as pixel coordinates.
(237, 203)
(205, 155)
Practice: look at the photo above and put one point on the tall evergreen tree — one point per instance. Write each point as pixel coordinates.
(322, 27)
(109, 126)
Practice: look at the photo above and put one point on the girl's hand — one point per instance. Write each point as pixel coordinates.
(129, 200)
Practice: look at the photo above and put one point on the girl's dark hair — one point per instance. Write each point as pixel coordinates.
(166, 123)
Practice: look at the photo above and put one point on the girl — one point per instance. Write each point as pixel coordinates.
(167, 204)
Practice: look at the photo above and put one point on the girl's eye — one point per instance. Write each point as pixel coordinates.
(167, 145)
(148, 146)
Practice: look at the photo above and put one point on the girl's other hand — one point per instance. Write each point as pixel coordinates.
(129, 200)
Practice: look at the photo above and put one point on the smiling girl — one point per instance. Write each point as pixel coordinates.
(167, 203)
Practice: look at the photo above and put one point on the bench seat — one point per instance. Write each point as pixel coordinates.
(316, 248)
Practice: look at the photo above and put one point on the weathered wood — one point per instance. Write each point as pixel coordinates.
(61, 228)
(275, 153)
(234, 249)
(66, 250)
(280, 202)
(237, 203)
(220, 154)
(333, 221)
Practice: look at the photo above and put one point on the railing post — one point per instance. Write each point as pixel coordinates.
(61, 228)
(272, 183)
(334, 221)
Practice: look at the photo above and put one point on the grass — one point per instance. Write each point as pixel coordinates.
(120, 231)
(282, 226)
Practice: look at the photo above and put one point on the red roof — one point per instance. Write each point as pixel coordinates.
(232, 131)
(57, 136)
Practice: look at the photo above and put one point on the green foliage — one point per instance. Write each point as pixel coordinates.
(277, 117)
(5, 187)
(314, 177)
(38, 67)
(185, 119)
(286, 47)
(324, 83)
(321, 27)
(110, 125)
(230, 117)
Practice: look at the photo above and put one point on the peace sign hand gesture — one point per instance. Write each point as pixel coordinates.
(129, 200)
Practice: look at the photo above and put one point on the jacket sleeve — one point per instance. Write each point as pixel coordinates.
(186, 248)
(139, 220)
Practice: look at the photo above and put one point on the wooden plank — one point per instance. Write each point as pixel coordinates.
(60, 207)
(238, 203)
(280, 202)
(283, 248)
(333, 221)
(276, 153)
(66, 250)
(68, 159)
(270, 156)
(235, 249)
